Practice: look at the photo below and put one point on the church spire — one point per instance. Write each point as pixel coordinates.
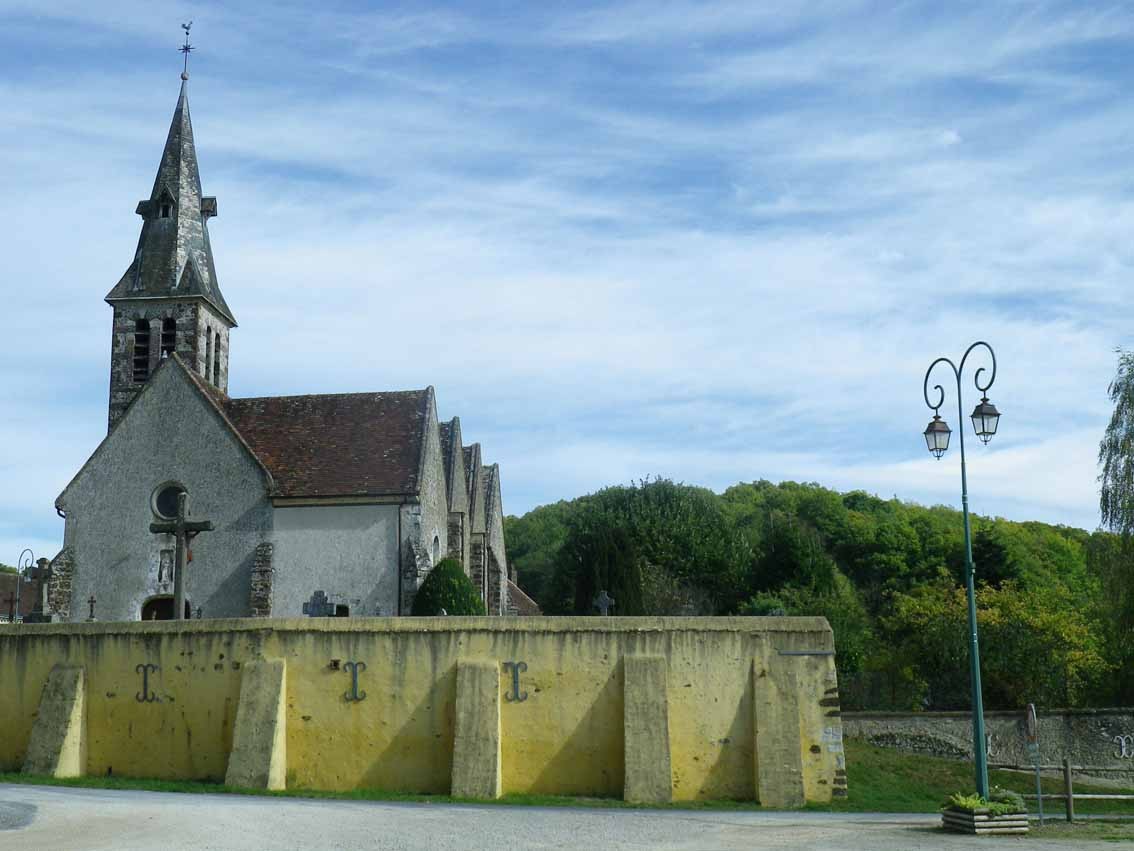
(168, 302)
(174, 258)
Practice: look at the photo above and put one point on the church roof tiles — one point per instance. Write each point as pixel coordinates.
(343, 444)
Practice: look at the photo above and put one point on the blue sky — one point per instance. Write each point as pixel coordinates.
(712, 241)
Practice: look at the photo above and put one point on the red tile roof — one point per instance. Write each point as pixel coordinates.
(344, 444)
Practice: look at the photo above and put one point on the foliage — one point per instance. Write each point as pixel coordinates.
(1056, 604)
(1035, 646)
(1116, 452)
(4, 568)
(1000, 802)
(446, 588)
(656, 547)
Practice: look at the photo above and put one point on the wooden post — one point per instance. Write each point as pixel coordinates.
(1068, 790)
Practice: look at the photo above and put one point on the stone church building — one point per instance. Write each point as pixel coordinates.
(328, 504)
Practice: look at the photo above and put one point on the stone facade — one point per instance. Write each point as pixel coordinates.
(356, 495)
(197, 329)
(109, 506)
(59, 585)
(260, 588)
(1090, 737)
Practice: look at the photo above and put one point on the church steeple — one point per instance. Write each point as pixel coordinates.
(174, 258)
(169, 299)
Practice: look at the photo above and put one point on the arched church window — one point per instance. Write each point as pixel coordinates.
(216, 360)
(164, 500)
(208, 353)
(168, 336)
(436, 549)
(141, 350)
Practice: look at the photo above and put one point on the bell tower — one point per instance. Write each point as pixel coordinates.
(168, 301)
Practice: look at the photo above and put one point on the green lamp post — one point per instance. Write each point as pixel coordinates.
(985, 419)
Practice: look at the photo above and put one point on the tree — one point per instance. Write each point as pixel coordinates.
(1116, 452)
(447, 588)
(1116, 505)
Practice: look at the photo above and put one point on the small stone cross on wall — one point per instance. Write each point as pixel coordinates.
(318, 606)
(604, 603)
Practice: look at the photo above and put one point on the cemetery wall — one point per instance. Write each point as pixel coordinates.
(743, 708)
(1089, 737)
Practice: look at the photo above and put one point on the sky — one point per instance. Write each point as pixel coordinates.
(710, 241)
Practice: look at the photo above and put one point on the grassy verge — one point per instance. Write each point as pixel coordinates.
(879, 780)
(883, 780)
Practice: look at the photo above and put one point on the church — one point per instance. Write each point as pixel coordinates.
(321, 505)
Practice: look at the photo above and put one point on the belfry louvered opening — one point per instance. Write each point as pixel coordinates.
(141, 350)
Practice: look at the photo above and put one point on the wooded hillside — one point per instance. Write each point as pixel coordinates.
(887, 574)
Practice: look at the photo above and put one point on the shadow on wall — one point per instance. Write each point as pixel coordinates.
(732, 775)
(591, 760)
(428, 730)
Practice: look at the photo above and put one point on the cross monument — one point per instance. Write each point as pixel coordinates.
(604, 603)
(185, 531)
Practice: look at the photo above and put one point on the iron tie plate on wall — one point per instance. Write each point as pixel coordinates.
(516, 696)
(145, 695)
(354, 695)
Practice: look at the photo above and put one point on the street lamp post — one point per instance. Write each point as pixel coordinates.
(20, 567)
(985, 419)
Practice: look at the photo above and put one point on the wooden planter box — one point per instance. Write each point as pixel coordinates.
(980, 822)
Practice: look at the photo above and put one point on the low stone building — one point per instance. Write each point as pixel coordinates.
(326, 505)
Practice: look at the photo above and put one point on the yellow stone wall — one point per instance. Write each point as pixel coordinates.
(565, 737)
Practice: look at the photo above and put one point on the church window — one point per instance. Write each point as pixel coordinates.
(164, 500)
(166, 209)
(436, 549)
(216, 360)
(168, 337)
(208, 353)
(141, 350)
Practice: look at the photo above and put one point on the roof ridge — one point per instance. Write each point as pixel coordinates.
(328, 395)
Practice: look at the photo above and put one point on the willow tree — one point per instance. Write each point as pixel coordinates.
(1116, 505)
(1116, 453)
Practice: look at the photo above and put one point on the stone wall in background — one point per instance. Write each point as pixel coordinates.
(1088, 737)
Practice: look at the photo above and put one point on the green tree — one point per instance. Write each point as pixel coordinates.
(1116, 452)
(533, 544)
(1036, 646)
(447, 588)
(1116, 505)
(602, 557)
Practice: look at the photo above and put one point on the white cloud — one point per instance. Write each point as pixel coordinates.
(715, 243)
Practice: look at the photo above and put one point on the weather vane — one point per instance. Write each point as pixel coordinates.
(186, 49)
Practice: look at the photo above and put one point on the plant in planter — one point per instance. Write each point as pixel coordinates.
(1002, 812)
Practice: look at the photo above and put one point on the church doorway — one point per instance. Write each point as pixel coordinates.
(160, 609)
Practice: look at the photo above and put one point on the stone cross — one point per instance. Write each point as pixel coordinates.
(185, 531)
(604, 603)
(318, 606)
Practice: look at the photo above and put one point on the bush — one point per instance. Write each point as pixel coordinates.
(1001, 802)
(447, 588)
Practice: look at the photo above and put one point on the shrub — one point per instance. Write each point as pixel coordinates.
(447, 588)
(1001, 802)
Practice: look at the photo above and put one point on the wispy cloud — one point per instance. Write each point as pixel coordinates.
(717, 241)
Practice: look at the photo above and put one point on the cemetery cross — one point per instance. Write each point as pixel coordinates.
(185, 531)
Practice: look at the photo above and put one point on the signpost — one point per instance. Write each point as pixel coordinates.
(1031, 731)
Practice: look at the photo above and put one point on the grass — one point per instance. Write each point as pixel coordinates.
(884, 780)
(879, 780)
